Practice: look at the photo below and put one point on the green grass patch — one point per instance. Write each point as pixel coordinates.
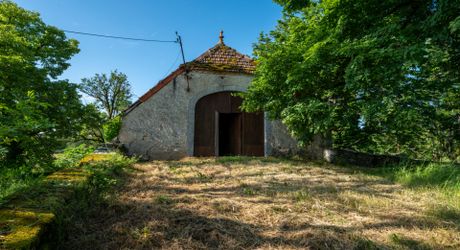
(249, 191)
(422, 175)
(431, 175)
(440, 179)
(14, 179)
(302, 195)
(250, 160)
(29, 212)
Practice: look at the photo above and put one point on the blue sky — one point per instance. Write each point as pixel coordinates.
(198, 22)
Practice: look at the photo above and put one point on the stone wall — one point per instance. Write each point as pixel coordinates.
(163, 126)
(349, 157)
(278, 141)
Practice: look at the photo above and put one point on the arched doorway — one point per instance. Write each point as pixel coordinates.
(221, 128)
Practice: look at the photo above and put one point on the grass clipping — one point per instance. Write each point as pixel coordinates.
(264, 203)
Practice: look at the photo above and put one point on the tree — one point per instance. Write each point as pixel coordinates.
(111, 128)
(35, 108)
(92, 125)
(378, 76)
(96, 127)
(112, 94)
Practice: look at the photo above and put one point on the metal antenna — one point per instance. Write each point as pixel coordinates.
(179, 40)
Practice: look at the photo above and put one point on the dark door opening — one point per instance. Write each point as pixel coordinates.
(229, 139)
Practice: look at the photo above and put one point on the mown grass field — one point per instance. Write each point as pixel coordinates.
(267, 203)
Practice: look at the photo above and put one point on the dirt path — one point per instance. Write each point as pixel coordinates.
(262, 204)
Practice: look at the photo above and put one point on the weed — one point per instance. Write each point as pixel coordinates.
(198, 177)
(203, 177)
(407, 242)
(365, 244)
(249, 191)
(164, 200)
(15, 180)
(225, 207)
(302, 195)
(279, 209)
(141, 233)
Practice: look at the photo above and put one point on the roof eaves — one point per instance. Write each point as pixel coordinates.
(199, 65)
(155, 89)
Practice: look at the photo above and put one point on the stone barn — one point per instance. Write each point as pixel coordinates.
(194, 112)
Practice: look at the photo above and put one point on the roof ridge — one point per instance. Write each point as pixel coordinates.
(219, 58)
(226, 58)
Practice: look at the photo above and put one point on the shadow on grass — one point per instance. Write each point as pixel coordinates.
(446, 213)
(132, 226)
(408, 243)
(167, 221)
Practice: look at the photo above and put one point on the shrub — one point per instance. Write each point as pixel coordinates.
(3, 154)
(15, 179)
(72, 155)
(105, 168)
(111, 128)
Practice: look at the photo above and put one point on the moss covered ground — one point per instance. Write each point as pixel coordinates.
(27, 214)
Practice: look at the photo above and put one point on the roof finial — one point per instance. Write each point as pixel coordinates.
(221, 37)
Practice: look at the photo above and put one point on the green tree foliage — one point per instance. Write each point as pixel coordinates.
(379, 76)
(111, 128)
(92, 129)
(36, 109)
(71, 156)
(97, 128)
(112, 94)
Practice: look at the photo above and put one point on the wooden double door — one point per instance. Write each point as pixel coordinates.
(221, 128)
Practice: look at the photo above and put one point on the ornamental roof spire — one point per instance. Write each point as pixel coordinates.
(221, 37)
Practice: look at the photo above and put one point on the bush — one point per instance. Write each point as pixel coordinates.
(72, 155)
(56, 200)
(111, 128)
(3, 153)
(15, 178)
(105, 168)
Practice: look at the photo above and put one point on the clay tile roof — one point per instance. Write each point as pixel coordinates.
(222, 58)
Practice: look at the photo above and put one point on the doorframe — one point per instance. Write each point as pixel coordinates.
(215, 89)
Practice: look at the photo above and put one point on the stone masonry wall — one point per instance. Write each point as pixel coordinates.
(163, 126)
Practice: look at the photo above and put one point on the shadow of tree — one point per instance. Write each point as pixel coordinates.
(130, 227)
(208, 212)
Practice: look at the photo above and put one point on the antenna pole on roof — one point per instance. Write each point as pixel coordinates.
(179, 40)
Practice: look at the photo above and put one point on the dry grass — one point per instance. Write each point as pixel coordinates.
(263, 203)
